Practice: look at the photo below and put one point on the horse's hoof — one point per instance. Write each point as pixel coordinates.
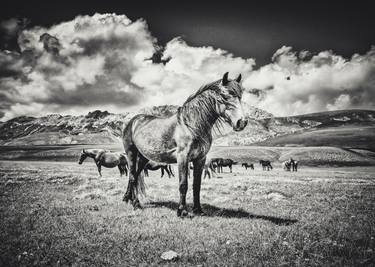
(126, 198)
(137, 205)
(182, 213)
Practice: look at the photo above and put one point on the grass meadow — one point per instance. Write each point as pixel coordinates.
(63, 214)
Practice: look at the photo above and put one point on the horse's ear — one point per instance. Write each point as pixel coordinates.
(83, 150)
(225, 80)
(239, 78)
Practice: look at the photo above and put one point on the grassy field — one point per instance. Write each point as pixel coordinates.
(60, 213)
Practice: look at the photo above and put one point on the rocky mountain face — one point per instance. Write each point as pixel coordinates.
(102, 127)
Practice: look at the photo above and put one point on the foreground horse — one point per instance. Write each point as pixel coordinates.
(247, 165)
(182, 137)
(266, 165)
(153, 166)
(106, 158)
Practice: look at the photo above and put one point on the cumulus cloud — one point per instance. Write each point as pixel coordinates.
(76, 65)
(101, 61)
(107, 61)
(297, 83)
(188, 68)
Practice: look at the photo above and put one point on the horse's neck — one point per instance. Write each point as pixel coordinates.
(198, 119)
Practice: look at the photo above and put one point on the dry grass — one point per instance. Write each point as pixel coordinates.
(60, 213)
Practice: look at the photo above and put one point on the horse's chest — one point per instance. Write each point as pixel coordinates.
(199, 149)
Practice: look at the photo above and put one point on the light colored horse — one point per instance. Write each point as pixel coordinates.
(153, 166)
(106, 158)
(183, 137)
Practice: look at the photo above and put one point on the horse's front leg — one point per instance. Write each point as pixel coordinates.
(198, 169)
(183, 168)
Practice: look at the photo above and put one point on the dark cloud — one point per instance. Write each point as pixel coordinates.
(50, 43)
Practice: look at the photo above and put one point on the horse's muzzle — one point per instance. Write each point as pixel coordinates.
(240, 125)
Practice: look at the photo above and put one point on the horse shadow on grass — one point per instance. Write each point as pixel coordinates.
(213, 211)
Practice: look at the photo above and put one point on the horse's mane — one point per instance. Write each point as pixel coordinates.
(199, 110)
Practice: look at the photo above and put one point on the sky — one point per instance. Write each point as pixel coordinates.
(74, 57)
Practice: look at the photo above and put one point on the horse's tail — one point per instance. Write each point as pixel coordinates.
(141, 185)
(171, 169)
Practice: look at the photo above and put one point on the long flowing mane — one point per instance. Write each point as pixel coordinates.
(199, 112)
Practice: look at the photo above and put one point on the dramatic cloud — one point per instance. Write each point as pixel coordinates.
(77, 65)
(296, 83)
(106, 61)
(188, 68)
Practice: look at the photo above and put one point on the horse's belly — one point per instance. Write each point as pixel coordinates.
(110, 161)
(155, 139)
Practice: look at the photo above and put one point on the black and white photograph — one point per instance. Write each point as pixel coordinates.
(187, 133)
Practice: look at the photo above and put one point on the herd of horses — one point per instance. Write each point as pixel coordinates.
(154, 142)
(109, 159)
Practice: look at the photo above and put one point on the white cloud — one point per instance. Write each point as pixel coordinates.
(98, 62)
(326, 81)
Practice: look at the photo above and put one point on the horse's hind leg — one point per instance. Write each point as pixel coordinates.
(99, 169)
(168, 172)
(132, 161)
(141, 163)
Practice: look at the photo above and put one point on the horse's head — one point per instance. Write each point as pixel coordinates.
(82, 157)
(229, 103)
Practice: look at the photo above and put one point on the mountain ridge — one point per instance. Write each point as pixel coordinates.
(101, 127)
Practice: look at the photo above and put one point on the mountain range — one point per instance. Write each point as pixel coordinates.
(343, 128)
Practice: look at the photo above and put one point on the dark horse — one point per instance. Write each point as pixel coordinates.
(294, 164)
(153, 166)
(224, 163)
(182, 137)
(106, 158)
(290, 165)
(247, 165)
(209, 169)
(266, 164)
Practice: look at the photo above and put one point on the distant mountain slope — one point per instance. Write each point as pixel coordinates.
(335, 128)
(270, 130)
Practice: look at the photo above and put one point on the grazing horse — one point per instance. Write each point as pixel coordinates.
(106, 158)
(182, 137)
(153, 166)
(266, 164)
(247, 165)
(225, 163)
(209, 169)
(215, 163)
(286, 165)
(290, 165)
(294, 165)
